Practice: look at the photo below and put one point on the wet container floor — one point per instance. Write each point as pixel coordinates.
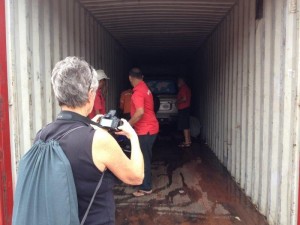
(190, 186)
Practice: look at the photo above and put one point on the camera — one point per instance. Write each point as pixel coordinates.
(110, 121)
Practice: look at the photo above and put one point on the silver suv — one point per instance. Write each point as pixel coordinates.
(166, 91)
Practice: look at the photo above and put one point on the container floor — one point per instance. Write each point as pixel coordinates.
(190, 186)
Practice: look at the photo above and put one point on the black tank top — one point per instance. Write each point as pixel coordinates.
(78, 149)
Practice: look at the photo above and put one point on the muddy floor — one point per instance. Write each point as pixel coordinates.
(190, 187)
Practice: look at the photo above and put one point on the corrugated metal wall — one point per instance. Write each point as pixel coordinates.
(39, 34)
(249, 83)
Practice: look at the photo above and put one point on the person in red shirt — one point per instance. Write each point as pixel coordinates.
(183, 105)
(144, 121)
(99, 103)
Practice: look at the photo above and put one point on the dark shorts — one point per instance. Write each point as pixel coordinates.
(183, 119)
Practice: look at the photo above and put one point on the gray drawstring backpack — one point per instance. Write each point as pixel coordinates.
(45, 192)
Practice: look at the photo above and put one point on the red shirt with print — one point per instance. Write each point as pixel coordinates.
(184, 92)
(142, 98)
(99, 104)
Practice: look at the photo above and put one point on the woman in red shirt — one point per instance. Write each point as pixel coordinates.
(99, 104)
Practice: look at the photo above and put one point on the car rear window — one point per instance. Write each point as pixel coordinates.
(159, 87)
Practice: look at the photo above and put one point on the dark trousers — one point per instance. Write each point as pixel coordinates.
(146, 143)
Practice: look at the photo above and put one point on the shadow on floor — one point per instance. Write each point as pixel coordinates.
(190, 186)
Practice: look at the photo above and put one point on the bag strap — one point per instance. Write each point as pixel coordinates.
(68, 115)
(92, 199)
(61, 136)
(68, 132)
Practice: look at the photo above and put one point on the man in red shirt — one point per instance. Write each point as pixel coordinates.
(183, 105)
(99, 103)
(144, 121)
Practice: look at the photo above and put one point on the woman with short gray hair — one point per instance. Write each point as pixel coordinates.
(91, 150)
(72, 79)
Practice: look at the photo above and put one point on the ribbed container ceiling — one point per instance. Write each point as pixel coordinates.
(159, 30)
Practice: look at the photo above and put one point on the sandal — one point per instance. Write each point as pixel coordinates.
(140, 193)
(184, 145)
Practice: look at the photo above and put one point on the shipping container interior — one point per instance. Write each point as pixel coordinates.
(240, 57)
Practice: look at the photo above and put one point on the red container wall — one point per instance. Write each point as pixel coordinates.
(6, 199)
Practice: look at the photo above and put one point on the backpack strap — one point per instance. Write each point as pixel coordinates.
(67, 115)
(61, 136)
(92, 199)
(68, 132)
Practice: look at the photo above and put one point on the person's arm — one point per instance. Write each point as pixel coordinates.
(107, 153)
(137, 99)
(136, 116)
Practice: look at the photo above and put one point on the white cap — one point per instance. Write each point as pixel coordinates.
(101, 75)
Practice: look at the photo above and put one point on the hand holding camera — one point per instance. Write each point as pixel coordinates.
(110, 121)
(113, 124)
(126, 129)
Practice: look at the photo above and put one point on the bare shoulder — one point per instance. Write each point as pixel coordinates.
(103, 146)
(103, 138)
